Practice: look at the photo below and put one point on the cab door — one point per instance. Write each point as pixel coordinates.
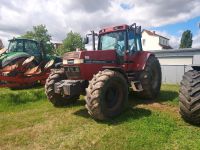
(134, 50)
(32, 49)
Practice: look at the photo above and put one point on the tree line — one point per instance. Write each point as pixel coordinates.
(40, 33)
(73, 40)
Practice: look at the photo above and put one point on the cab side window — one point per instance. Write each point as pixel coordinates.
(131, 42)
(19, 46)
(31, 48)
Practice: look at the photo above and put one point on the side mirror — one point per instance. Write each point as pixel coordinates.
(85, 40)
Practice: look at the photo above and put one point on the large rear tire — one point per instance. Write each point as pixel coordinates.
(106, 95)
(151, 79)
(57, 100)
(189, 97)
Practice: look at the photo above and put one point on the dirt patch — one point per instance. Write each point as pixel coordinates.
(160, 107)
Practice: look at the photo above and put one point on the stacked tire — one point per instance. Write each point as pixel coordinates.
(189, 97)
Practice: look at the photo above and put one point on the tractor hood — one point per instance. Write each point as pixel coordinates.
(7, 58)
(98, 56)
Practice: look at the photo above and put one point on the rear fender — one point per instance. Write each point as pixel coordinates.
(139, 60)
(196, 67)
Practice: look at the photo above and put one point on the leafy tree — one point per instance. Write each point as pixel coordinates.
(1, 44)
(70, 43)
(40, 33)
(186, 39)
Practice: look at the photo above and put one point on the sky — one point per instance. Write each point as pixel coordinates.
(167, 17)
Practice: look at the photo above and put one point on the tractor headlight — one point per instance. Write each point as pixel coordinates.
(73, 61)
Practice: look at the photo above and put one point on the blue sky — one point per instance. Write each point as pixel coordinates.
(177, 28)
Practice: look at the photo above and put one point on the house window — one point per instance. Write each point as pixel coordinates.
(143, 41)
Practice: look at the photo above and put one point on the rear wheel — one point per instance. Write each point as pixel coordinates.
(151, 79)
(57, 99)
(189, 97)
(106, 95)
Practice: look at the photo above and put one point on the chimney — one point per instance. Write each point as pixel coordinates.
(154, 32)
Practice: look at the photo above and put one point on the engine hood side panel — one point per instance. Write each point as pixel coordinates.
(107, 55)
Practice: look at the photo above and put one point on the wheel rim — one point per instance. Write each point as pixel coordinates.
(154, 78)
(113, 96)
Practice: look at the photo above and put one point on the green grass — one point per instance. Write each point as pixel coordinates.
(29, 121)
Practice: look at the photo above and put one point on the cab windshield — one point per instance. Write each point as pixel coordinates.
(113, 40)
(16, 46)
(30, 47)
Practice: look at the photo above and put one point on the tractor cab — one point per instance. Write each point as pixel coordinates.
(125, 41)
(121, 38)
(28, 46)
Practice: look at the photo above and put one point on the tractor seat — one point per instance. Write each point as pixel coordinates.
(34, 71)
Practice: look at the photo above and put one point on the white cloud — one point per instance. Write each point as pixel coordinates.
(60, 17)
(196, 41)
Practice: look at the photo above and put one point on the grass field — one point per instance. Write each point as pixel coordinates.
(29, 121)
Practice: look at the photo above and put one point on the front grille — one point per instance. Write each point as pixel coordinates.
(70, 61)
(72, 72)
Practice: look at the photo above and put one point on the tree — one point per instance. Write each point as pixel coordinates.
(1, 44)
(186, 39)
(70, 43)
(40, 33)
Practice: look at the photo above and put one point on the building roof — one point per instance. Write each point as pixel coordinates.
(154, 34)
(187, 52)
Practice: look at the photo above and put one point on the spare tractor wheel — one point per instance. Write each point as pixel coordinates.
(106, 95)
(57, 99)
(189, 97)
(151, 79)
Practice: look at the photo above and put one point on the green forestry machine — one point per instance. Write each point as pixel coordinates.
(24, 64)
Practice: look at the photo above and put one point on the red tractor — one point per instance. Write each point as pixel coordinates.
(106, 75)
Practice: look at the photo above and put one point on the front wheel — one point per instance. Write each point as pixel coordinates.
(106, 95)
(57, 99)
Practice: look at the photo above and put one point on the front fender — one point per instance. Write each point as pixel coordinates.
(6, 61)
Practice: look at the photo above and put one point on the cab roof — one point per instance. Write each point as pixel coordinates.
(24, 39)
(114, 28)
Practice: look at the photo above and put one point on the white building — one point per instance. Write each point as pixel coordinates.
(175, 62)
(153, 41)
